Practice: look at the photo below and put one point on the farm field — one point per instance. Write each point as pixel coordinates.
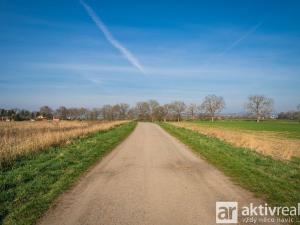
(20, 138)
(279, 139)
(285, 128)
(31, 184)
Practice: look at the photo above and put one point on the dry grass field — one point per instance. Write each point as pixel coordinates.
(266, 142)
(19, 138)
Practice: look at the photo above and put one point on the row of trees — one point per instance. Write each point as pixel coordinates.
(290, 115)
(257, 106)
(146, 110)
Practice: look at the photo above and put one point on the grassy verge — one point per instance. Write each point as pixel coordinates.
(30, 186)
(275, 181)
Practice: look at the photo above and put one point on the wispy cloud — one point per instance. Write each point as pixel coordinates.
(127, 54)
(78, 66)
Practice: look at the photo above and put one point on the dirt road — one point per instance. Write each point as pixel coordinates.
(150, 179)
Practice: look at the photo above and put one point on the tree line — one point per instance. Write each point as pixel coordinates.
(257, 106)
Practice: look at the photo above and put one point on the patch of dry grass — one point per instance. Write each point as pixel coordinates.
(265, 142)
(20, 138)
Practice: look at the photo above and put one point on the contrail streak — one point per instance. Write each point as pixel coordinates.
(241, 38)
(233, 44)
(127, 54)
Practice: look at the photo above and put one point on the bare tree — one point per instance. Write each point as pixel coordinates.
(94, 114)
(124, 108)
(46, 111)
(107, 112)
(142, 110)
(153, 109)
(192, 110)
(178, 108)
(259, 106)
(212, 104)
(132, 113)
(73, 113)
(298, 112)
(167, 109)
(159, 113)
(82, 113)
(62, 112)
(116, 112)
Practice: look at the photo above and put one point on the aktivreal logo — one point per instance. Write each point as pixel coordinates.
(226, 212)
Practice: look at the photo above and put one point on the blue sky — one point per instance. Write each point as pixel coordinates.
(52, 52)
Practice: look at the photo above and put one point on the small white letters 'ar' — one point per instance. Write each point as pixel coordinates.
(226, 212)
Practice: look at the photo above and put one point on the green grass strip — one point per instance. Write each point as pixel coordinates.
(278, 182)
(31, 185)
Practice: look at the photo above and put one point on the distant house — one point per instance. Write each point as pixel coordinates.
(56, 118)
(41, 117)
(5, 118)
